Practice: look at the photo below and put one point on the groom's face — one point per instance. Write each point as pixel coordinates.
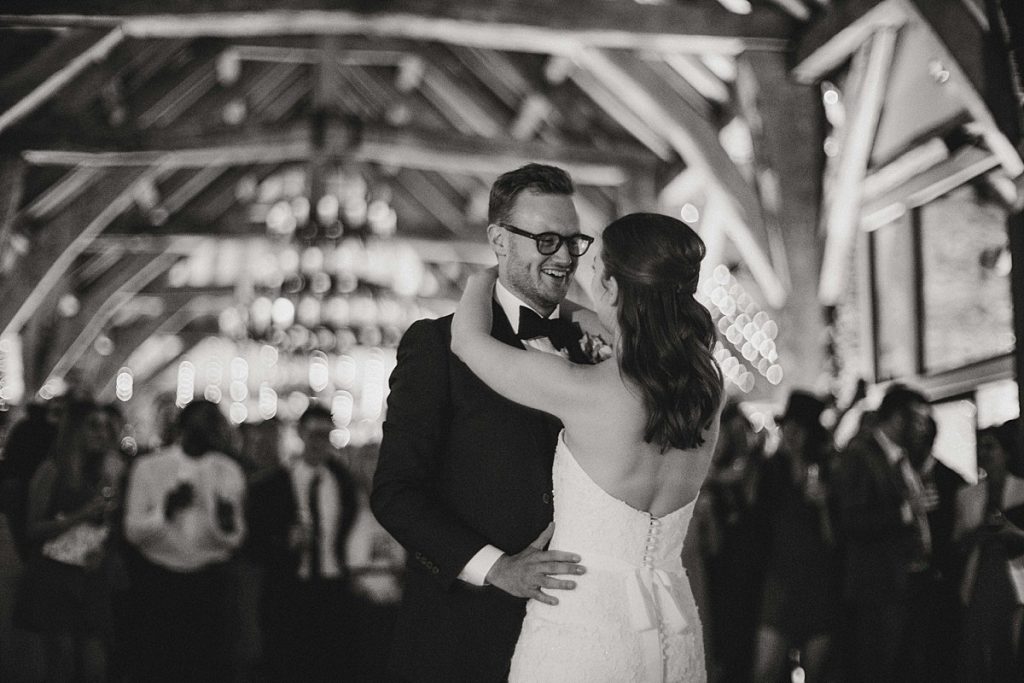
(540, 280)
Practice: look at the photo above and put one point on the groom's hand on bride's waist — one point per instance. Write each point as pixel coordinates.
(526, 573)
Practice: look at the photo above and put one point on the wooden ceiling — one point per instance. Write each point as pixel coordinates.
(127, 128)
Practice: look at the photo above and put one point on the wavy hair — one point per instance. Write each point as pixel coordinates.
(667, 337)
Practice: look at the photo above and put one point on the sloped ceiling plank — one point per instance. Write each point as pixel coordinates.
(24, 91)
(522, 25)
(605, 98)
(60, 242)
(100, 303)
(437, 203)
(55, 197)
(699, 76)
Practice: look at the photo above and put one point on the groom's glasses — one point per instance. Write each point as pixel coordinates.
(550, 242)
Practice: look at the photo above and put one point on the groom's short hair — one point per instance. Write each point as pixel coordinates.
(539, 178)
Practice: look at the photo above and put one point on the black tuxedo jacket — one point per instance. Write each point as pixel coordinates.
(877, 543)
(273, 509)
(460, 467)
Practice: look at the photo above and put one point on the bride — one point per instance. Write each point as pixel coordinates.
(638, 437)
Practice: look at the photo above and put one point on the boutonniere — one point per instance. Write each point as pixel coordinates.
(595, 348)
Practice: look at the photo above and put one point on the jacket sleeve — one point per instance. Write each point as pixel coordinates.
(405, 497)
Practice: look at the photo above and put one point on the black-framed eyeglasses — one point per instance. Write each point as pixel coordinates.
(550, 242)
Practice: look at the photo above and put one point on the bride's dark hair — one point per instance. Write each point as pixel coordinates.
(666, 337)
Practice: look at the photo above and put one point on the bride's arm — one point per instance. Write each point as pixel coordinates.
(539, 380)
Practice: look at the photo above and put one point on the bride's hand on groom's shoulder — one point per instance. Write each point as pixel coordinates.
(526, 573)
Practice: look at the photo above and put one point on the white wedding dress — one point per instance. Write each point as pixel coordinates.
(632, 616)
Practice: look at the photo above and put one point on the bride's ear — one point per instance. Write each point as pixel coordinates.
(611, 288)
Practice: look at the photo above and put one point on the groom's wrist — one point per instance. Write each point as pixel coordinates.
(479, 566)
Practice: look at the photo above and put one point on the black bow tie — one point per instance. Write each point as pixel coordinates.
(531, 325)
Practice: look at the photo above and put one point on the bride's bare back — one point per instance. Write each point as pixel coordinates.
(604, 429)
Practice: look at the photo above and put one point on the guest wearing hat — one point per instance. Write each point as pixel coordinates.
(883, 524)
(800, 607)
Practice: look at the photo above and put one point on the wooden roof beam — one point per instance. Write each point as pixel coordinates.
(59, 243)
(964, 165)
(520, 25)
(868, 80)
(838, 34)
(128, 277)
(401, 148)
(697, 142)
(57, 65)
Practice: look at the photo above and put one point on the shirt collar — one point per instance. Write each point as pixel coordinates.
(892, 452)
(510, 304)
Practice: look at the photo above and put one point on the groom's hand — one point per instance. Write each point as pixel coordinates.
(524, 574)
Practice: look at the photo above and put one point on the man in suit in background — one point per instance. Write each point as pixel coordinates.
(300, 520)
(464, 476)
(884, 529)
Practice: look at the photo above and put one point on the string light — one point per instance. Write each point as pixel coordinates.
(748, 330)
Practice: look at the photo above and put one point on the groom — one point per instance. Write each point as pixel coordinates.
(464, 476)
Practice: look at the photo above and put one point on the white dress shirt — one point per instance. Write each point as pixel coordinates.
(330, 516)
(192, 538)
(475, 571)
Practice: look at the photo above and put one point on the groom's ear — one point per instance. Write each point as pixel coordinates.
(498, 239)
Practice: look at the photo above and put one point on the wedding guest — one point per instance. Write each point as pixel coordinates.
(800, 604)
(67, 586)
(732, 538)
(884, 529)
(27, 446)
(301, 517)
(184, 514)
(991, 583)
(934, 612)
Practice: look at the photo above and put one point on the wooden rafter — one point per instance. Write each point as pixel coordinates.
(60, 242)
(869, 76)
(696, 140)
(12, 185)
(428, 150)
(964, 165)
(99, 305)
(58, 64)
(128, 338)
(522, 25)
(838, 33)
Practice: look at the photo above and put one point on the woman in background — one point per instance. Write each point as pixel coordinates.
(67, 587)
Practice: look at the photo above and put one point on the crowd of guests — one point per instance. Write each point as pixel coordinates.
(218, 557)
(211, 558)
(867, 562)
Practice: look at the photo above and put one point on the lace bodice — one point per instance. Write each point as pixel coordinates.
(632, 616)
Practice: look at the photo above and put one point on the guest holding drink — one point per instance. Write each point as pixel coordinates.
(66, 591)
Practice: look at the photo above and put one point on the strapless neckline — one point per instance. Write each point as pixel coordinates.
(563, 446)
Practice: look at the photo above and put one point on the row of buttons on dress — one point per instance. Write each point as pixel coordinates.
(653, 530)
(652, 541)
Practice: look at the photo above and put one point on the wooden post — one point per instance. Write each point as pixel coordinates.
(788, 144)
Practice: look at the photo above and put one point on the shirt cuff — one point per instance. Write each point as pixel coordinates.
(475, 571)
